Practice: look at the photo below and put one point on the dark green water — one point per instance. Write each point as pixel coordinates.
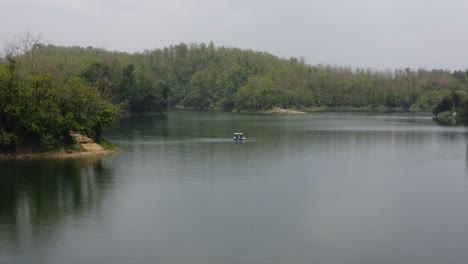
(316, 188)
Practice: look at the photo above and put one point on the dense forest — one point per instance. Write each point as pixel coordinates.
(203, 76)
(47, 91)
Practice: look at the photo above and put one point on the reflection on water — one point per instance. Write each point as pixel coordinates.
(36, 196)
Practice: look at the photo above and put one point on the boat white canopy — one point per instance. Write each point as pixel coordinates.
(238, 135)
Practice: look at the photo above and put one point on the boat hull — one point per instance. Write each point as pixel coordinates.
(238, 140)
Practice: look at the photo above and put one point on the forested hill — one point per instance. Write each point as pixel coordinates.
(47, 91)
(208, 77)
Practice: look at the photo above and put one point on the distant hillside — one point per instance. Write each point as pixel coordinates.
(208, 77)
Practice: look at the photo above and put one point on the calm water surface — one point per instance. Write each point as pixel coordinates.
(315, 188)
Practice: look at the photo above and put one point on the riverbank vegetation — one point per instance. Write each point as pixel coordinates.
(46, 91)
(41, 105)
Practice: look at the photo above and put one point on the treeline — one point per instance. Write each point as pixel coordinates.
(207, 77)
(47, 90)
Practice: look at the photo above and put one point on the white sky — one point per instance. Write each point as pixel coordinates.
(360, 33)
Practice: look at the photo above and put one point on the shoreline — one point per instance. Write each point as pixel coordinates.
(279, 110)
(85, 146)
(310, 110)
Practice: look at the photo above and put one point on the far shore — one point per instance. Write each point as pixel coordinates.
(315, 109)
(278, 110)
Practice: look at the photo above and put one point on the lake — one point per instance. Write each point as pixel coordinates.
(316, 188)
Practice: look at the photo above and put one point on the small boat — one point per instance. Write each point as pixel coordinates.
(238, 137)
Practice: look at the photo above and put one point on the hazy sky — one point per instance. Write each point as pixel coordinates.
(360, 33)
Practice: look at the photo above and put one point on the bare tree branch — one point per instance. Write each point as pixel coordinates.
(25, 51)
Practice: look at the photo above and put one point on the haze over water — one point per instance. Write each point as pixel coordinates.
(314, 188)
